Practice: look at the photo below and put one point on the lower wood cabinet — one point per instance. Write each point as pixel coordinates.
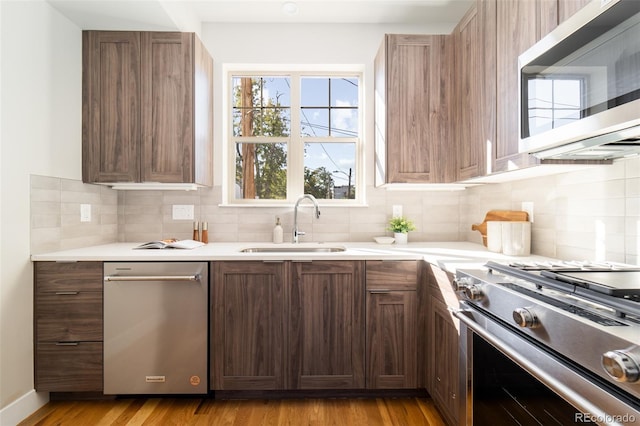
(68, 324)
(287, 325)
(247, 345)
(313, 325)
(392, 312)
(325, 325)
(443, 344)
(69, 366)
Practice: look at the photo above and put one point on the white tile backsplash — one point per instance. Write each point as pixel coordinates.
(584, 214)
(593, 213)
(55, 214)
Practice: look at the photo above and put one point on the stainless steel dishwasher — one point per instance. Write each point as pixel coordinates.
(155, 328)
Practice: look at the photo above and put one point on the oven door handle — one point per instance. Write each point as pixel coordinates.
(570, 395)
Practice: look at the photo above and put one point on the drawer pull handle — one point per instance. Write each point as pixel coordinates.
(67, 344)
(379, 291)
(67, 293)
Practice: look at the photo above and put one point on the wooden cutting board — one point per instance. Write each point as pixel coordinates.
(499, 215)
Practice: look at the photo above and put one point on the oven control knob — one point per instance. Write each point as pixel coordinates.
(460, 283)
(621, 366)
(473, 292)
(525, 318)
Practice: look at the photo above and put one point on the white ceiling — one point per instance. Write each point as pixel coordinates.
(172, 14)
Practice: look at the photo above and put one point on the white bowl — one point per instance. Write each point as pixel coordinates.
(384, 240)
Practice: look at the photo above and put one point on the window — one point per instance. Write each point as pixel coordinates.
(294, 133)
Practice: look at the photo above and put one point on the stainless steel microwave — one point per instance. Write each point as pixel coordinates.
(579, 87)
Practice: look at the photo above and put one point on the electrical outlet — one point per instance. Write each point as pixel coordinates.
(397, 210)
(527, 206)
(183, 212)
(85, 212)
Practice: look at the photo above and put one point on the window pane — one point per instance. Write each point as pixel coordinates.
(261, 106)
(329, 170)
(261, 171)
(344, 104)
(315, 122)
(315, 92)
(344, 122)
(344, 91)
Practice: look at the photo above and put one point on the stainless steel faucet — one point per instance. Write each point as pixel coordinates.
(296, 232)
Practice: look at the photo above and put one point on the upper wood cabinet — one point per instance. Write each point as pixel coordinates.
(469, 115)
(413, 142)
(147, 113)
(519, 24)
(506, 28)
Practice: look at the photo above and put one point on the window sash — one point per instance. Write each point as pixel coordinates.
(295, 141)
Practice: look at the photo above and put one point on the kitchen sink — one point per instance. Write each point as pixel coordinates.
(294, 249)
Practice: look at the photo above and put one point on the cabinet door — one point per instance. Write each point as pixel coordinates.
(517, 28)
(467, 88)
(167, 106)
(413, 141)
(326, 325)
(391, 339)
(110, 106)
(443, 332)
(247, 326)
(442, 343)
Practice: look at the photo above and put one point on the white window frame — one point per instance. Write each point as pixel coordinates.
(295, 142)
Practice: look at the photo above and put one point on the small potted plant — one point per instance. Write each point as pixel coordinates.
(400, 226)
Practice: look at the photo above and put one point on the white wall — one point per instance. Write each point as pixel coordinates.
(40, 134)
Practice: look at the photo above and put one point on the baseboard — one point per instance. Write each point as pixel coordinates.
(23, 407)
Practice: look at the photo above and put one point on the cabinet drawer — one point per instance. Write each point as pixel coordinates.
(68, 368)
(75, 276)
(68, 316)
(392, 275)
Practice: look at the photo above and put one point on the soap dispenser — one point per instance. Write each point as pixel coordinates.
(277, 232)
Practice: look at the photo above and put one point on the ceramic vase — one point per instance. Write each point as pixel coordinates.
(401, 237)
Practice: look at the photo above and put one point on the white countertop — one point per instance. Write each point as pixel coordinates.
(447, 255)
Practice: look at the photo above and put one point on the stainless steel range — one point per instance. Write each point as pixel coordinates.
(550, 343)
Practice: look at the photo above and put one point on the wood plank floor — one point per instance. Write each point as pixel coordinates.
(205, 411)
